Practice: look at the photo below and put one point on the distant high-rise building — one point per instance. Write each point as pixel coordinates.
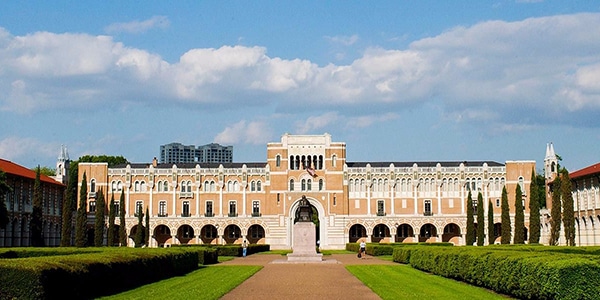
(215, 153)
(210, 153)
(177, 153)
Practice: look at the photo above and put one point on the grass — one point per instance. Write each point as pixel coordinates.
(210, 282)
(404, 282)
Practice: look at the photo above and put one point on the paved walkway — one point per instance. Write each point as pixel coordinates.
(303, 280)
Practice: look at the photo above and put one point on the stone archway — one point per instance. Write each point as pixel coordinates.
(322, 234)
(356, 232)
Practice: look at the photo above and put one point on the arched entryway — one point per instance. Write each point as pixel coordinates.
(451, 234)
(357, 232)
(381, 233)
(256, 234)
(185, 234)
(162, 234)
(318, 218)
(405, 234)
(428, 233)
(232, 234)
(208, 234)
(497, 233)
(134, 231)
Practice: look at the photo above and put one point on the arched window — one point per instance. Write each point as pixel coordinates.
(278, 160)
(206, 186)
(93, 185)
(258, 186)
(252, 186)
(309, 185)
(119, 186)
(291, 185)
(212, 186)
(159, 186)
(522, 184)
(334, 161)
(229, 186)
(236, 186)
(189, 186)
(292, 162)
(320, 184)
(165, 186)
(303, 186)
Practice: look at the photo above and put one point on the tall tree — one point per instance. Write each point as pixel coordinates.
(535, 194)
(568, 214)
(470, 237)
(505, 231)
(122, 227)
(147, 229)
(480, 220)
(490, 217)
(139, 232)
(99, 220)
(110, 241)
(519, 217)
(555, 212)
(4, 189)
(69, 199)
(36, 224)
(81, 222)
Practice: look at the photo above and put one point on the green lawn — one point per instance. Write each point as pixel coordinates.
(404, 282)
(210, 282)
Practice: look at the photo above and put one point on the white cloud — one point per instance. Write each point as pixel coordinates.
(17, 148)
(139, 26)
(315, 123)
(256, 133)
(343, 40)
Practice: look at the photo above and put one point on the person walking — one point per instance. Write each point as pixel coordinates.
(244, 248)
(363, 249)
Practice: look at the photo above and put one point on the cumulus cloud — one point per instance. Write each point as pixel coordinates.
(255, 132)
(343, 40)
(16, 148)
(139, 26)
(315, 123)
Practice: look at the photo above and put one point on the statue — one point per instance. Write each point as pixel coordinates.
(304, 211)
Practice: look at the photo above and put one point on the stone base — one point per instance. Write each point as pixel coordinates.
(296, 257)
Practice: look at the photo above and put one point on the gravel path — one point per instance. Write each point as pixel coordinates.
(327, 280)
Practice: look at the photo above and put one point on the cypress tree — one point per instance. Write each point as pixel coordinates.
(490, 223)
(505, 231)
(139, 232)
(555, 212)
(470, 237)
(122, 227)
(99, 220)
(69, 198)
(36, 223)
(480, 221)
(147, 229)
(110, 241)
(535, 196)
(81, 222)
(568, 214)
(4, 189)
(519, 217)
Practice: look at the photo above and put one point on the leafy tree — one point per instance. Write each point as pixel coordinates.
(69, 201)
(4, 189)
(147, 231)
(111, 222)
(568, 214)
(490, 223)
(99, 220)
(139, 232)
(470, 237)
(45, 171)
(36, 224)
(81, 222)
(111, 160)
(536, 193)
(555, 212)
(519, 217)
(122, 227)
(480, 220)
(505, 231)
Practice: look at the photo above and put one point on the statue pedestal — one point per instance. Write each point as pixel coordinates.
(303, 246)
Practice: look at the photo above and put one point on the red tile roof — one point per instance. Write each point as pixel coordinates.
(593, 169)
(9, 167)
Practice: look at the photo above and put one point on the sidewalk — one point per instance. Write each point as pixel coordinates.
(303, 280)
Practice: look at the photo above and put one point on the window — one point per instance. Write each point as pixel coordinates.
(186, 209)
(209, 209)
(162, 208)
(93, 185)
(334, 161)
(291, 185)
(320, 184)
(113, 186)
(160, 183)
(497, 202)
(380, 208)
(138, 207)
(427, 208)
(303, 185)
(117, 208)
(522, 185)
(256, 208)
(232, 209)
(258, 186)
(309, 185)
(278, 160)
(252, 186)
(92, 206)
(451, 203)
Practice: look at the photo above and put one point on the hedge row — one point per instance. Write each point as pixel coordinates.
(377, 249)
(85, 276)
(231, 250)
(526, 275)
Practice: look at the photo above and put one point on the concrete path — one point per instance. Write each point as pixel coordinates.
(329, 280)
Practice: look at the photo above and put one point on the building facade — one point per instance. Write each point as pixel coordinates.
(215, 153)
(19, 203)
(210, 203)
(175, 153)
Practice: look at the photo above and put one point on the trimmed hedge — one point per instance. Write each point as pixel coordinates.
(524, 274)
(378, 249)
(84, 276)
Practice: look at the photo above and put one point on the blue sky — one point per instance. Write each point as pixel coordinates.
(395, 80)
